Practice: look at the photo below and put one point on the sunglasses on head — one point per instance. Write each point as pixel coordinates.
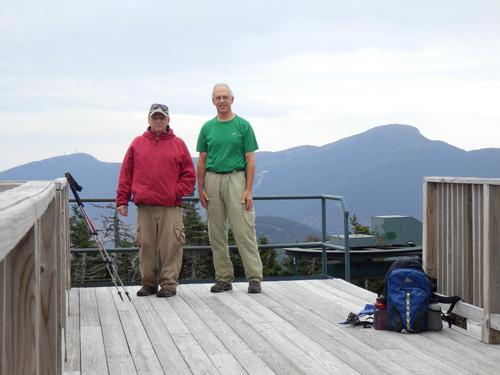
(163, 107)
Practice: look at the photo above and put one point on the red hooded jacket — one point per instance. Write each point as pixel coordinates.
(156, 170)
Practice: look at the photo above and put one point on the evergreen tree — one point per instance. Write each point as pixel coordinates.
(80, 237)
(270, 263)
(357, 227)
(195, 229)
(196, 264)
(305, 265)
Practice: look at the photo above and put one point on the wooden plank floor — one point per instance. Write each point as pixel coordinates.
(291, 328)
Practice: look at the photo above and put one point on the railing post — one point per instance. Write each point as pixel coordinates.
(62, 272)
(49, 334)
(491, 263)
(347, 257)
(429, 236)
(3, 310)
(324, 257)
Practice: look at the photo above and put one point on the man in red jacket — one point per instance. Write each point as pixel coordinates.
(157, 172)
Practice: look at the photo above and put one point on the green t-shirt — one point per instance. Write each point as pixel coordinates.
(226, 143)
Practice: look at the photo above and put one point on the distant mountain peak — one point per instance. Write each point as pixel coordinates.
(75, 156)
(395, 129)
(54, 167)
(383, 136)
(403, 133)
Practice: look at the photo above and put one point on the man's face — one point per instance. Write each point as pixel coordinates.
(158, 123)
(222, 100)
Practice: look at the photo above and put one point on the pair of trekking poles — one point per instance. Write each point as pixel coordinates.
(107, 259)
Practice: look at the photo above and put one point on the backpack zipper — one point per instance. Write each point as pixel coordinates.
(408, 310)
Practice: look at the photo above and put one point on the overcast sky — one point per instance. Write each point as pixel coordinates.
(80, 76)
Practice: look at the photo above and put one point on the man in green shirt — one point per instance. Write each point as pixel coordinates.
(226, 170)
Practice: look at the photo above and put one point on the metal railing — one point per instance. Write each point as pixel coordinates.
(322, 244)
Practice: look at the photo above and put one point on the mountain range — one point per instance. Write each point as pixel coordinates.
(378, 172)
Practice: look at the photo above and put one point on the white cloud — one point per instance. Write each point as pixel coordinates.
(81, 76)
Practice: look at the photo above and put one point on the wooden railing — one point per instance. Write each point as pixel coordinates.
(461, 246)
(34, 276)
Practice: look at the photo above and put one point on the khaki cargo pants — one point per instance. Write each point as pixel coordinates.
(225, 210)
(160, 234)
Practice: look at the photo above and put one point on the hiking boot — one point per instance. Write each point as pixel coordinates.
(220, 286)
(164, 293)
(254, 286)
(146, 291)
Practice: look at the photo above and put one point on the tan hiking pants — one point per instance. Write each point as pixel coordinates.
(225, 210)
(160, 233)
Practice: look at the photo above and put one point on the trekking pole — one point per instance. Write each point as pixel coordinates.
(110, 262)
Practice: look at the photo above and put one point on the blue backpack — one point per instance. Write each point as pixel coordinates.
(408, 291)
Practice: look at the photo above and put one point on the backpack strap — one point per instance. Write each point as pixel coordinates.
(451, 300)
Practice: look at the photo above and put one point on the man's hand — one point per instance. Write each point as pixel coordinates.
(204, 199)
(247, 199)
(122, 210)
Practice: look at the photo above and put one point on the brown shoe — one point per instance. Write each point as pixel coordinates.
(220, 286)
(147, 291)
(254, 286)
(165, 293)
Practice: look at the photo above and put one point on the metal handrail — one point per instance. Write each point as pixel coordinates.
(323, 244)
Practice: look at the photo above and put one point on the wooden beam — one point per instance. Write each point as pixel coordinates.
(20, 208)
(48, 291)
(466, 310)
(477, 245)
(463, 180)
(429, 231)
(30, 228)
(449, 240)
(3, 353)
(72, 343)
(20, 308)
(491, 262)
(440, 234)
(495, 321)
(62, 258)
(93, 354)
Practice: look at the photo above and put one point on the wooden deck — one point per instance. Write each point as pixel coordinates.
(291, 328)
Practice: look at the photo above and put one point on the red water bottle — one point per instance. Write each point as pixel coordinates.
(380, 318)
